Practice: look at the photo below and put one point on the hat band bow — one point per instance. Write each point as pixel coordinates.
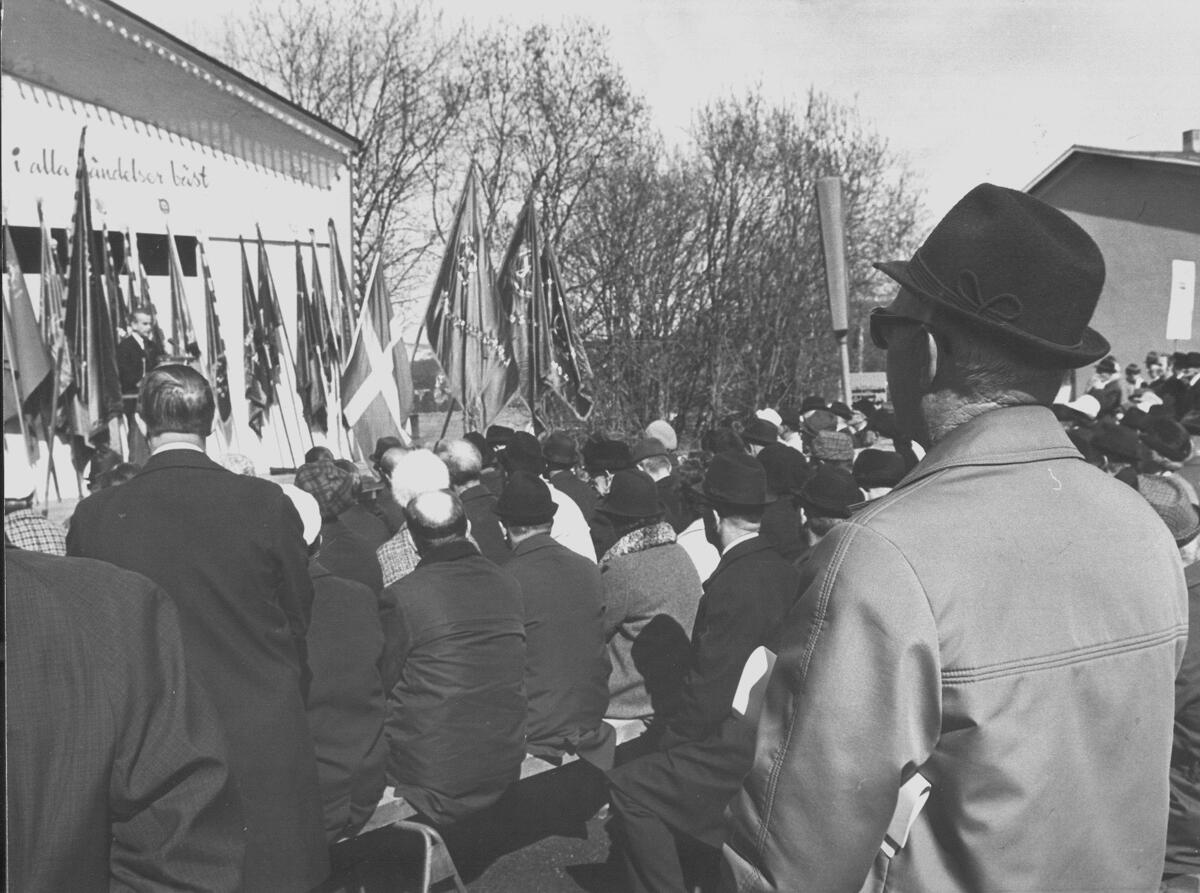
(1004, 307)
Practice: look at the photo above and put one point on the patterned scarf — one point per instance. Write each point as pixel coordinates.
(658, 534)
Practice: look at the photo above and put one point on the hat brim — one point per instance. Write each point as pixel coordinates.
(720, 499)
(1092, 346)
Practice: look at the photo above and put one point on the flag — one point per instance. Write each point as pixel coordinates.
(112, 289)
(52, 287)
(377, 381)
(29, 375)
(324, 337)
(94, 395)
(547, 350)
(268, 306)
(341, 301)
(218, 367)
(310, 376)
(260, 385)
(468, 328)
(183, 336)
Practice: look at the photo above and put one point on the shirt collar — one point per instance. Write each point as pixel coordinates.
(177, 445)
(739, 540)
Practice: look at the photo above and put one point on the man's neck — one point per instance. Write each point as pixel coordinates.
(944, 411)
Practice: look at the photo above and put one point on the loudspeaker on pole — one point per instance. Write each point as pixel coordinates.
(833, 241)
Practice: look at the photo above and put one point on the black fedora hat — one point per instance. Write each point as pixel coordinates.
(1005, 263)
(1119, 443)
(632, 495)
(559, 449)
(830, 493)
(606, 456)
(786, 468)
(523, 453)
(878, 468)
(526, 500)
(1168, 438)
(382, 445)
(736, 479)
(760, 432)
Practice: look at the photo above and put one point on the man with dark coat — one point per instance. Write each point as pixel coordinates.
(566, 664)
(464, 464)
(342, 552)
(652, 457)
(681, 789)
(562, 457)
(388, 452)
(229, 550)
(346, 698)
(978, 634)
(456, 718)
(360, 519)
(117, 771)
(137, 354)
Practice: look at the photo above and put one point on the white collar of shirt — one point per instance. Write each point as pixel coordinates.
(177, 445)
(740, 539)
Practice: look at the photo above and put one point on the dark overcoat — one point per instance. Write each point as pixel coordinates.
(229, 550)
(566, 662)
(706, 750)
(116, 768)
(480, 503)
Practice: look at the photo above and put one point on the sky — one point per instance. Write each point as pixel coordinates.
(964, 90)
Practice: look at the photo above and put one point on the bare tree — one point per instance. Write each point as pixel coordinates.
(384, 72)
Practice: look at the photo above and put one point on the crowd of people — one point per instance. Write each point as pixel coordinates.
(227, 674)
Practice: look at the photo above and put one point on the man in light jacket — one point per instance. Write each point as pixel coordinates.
(976, 625)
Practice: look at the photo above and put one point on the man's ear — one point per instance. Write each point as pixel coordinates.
(932, 359)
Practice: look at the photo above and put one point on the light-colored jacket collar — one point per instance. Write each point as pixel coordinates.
(1007, 436)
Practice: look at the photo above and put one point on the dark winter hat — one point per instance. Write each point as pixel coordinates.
(841, 410)
(811, 402)
(525, 500)
(1118, 443)
(1009, 265)
(1135, 418)
(833, 446)
(830, 492)
(486, 453)
(761, 432)
(330, 486)
(883, 423)
(497, 436)
(1168, 438)
(786, 468)
(559, 449)
(1193, 359)
(648, 447)
(523, 453)
(735, 479)
(878, 468)
(606, 456)
(633, 495)
(382, 445)
(1108, 364)
(1169, 498)
(790, 417)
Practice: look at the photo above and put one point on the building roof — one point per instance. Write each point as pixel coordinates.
(100, 53)
(1074, 154)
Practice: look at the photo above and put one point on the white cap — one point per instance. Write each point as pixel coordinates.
(310, 512)
(1087, 404)
(19, 480)
(770, 415)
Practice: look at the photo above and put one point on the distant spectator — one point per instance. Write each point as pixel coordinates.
(562, 460)
(456, 717)
(1108, 387)
(826, 499)
(786, 471)
(759, 433)
(358, 517)
(524, 453)
(410, 474)
(342, 552)
(653, 457)
(877, 471)
(833, 448)
(694, 538)
(464, 465)
(317, 453)
(661, 430)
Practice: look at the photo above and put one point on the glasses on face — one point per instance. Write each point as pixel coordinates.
(881, 324)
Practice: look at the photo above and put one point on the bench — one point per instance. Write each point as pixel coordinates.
(395, 812)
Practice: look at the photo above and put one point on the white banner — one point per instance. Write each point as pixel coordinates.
(1183, 300)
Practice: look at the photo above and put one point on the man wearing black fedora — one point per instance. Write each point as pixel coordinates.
(680, 790)
(975, 634)
(566, 663)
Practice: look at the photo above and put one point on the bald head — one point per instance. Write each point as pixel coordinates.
(436, 518)
(417, 472)
(462, 460)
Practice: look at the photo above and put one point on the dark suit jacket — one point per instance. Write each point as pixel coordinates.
(133, 362)
(346, 705)
(346, 554)
(582, 492)
(781, 528)
(456, 718)
(116, 765)
(705, 751)
(229, 550)
(369, 526)
(479, 503)
(566, 662)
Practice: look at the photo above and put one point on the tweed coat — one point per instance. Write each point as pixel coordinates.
(978, 625)
(229, 550)
(117, 775)
(704, 749)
